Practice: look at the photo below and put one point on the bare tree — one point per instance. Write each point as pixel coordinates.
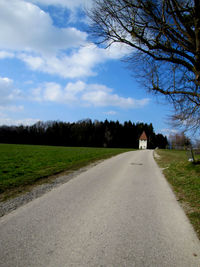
(165, 38)
(179, 141)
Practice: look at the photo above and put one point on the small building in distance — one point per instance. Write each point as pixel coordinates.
(143, 141)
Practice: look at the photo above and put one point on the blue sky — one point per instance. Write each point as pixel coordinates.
(50, 70)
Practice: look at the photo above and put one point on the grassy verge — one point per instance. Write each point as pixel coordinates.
(185, 180)
(22, 166)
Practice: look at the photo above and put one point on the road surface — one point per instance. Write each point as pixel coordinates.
(119, 213)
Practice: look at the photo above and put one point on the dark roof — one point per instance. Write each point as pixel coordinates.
(143, 136)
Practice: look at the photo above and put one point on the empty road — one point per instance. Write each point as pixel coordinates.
(120, 212)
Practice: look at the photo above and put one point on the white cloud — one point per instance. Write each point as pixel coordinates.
(8, 93)
(25, 27)
(73, 90)
(28, 33)
(77, 64)
(53, 92)
(34, 63)
(103, 99)
(117, 51)
(80, 63)
(86, 95)
(10, 122)
(49, 91)
(5, 54)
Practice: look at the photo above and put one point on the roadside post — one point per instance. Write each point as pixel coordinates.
(190, 154)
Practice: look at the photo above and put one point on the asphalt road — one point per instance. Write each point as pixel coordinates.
(119, 213)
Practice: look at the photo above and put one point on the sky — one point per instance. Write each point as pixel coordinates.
(50, 69)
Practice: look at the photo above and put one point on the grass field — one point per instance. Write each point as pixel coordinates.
(185, 180)
(25, 165)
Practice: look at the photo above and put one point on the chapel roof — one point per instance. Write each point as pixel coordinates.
(143, 136)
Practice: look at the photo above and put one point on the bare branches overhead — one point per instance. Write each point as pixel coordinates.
(165, 38)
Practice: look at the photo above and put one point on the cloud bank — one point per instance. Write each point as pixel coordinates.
(28, 33)
(25, 27)
(83, 94)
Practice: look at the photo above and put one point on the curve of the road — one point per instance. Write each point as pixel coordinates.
(121, 212)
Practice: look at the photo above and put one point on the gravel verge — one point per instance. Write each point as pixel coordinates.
(14, 203)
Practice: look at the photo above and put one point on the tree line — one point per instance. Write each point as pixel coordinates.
(83, 133)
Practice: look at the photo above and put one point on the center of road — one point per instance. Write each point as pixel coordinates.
(120, 212)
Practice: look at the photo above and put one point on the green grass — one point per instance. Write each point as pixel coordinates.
(25, 165)
(184, 177)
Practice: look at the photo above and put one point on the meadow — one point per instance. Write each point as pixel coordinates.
(25, 165)
(184, 178)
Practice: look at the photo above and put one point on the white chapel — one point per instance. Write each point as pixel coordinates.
(143, 141)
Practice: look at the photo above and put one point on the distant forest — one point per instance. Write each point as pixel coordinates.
(83, 133)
